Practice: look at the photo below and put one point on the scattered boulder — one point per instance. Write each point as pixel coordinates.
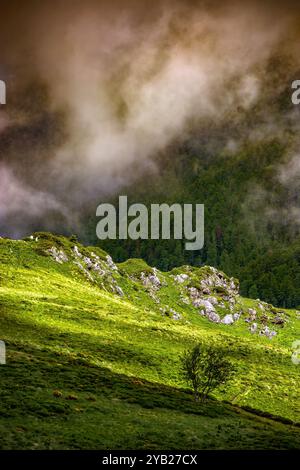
(206, 291)
(195, 296)
(206, 304)
(264, 319)
(58, 255)
(88, 262)
(213, 316)
(213, 300)
(184, 299)
(171, 313)
(216, 280)
(85, 271)
(151, 280)
(119, 291)
(278, 320)
(93, 265)
(267, 332)
(252, 314)
(228, 319)
(175, 315)
(110, 263)
(77, 252)
(180, 278)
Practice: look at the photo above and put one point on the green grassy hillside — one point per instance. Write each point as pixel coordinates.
(93, 354)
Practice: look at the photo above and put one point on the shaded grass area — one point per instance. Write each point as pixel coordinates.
(52, 402)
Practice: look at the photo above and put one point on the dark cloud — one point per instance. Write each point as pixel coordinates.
(96, 89)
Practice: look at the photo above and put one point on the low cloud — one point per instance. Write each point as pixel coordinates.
(125, 87)
(21, 204)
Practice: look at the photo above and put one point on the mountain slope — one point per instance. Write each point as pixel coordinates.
(93, 354)
(251, 227)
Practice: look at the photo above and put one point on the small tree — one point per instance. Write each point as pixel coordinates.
(205, 368)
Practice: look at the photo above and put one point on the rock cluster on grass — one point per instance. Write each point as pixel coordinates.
(110, 263)
(93, 267)
(210, 292)
(181, 278)
(151, 280)
(213, 290)
(265, 314)
(267, 332)
(228, 319)
(216, 279)
(58, 255)
(213, 316)
(170, 312)
(152, 283)
(214, 293)
(253, 328)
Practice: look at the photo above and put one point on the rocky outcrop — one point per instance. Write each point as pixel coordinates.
(217, 281)
(213, 316)
(205, 290)
(210, 292)
(93, 267)
(180, 278)
(110, 263)
(228, 319)
(267, 332)
(151, 280)
(171, 313)
(58, 255)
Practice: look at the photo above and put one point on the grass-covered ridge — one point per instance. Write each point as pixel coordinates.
(93, 354)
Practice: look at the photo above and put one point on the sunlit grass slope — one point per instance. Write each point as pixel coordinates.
(93, 360)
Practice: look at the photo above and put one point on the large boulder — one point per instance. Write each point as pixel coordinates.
(180, 278)
(228, 319)
(208, 306)
(213, 316)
